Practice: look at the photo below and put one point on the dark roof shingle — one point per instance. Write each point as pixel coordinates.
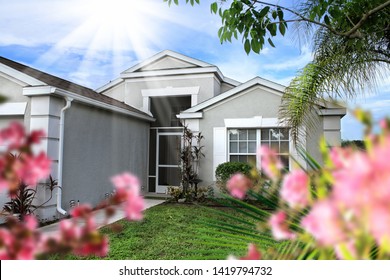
(67, 85)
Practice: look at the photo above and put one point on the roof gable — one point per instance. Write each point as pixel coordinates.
(275, 88)
(167, 60)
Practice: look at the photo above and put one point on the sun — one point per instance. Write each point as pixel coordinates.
(119, 23)
(112, 13)
(109, 30)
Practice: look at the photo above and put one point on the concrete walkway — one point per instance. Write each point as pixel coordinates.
(99, 215)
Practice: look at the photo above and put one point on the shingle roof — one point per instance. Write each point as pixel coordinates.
(67, 85)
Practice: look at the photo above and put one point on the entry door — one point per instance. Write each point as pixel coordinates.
(168, 160)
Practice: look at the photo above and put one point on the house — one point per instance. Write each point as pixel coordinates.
(135, 123)
(234, 118)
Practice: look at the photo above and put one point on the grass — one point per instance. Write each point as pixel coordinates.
(183, 232)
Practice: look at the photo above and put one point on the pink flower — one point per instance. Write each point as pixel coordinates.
(238, 185)
(30, 222)
(34, 168)
(279, 226)
(363, 179)
(324, 223)
(339, 156)
(134, 206)
(253, 253)
(96, 244)
(69, 231)
(295, 189)
(125, 180)
(81, 211)
(128, 190)
(270, 163)
(379, 223)
(13, 136)
(36, 135)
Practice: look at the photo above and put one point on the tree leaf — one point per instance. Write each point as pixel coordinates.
(264, 11)
(282, 28)
(247, 46)
(270, 42)
(214, 7)
(255, 46)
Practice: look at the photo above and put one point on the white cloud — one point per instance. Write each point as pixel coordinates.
(290, 63)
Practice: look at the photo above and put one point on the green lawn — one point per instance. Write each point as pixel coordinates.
(182, 232)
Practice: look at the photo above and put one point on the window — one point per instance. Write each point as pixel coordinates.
(243, 143)
(277, 139)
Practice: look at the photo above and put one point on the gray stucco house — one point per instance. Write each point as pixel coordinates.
(135, 123)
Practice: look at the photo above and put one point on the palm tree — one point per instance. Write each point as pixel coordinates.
(344, 65)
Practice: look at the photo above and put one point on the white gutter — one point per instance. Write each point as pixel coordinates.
(61, 154)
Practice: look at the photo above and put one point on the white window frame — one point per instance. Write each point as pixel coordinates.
(259, 123)
(229, 140)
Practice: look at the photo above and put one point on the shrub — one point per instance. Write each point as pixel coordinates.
(225, 170)
(175, 193)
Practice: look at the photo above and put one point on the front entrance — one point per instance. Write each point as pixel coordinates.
(165, 142)
(164, 159)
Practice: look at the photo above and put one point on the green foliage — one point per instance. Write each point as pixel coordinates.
(351, 46)
(175, 192)
(190, 155)
(173, 232)
(21, 203)
(355, 144)
(225, 170)
(200, 194)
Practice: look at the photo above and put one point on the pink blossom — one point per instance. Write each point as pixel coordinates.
(80, 211)
(13, 136)
(96, 244)
(35, 136)
(295, 189)
(238, 185)
(34, 168)
(68, 230)
(270, 163)
(125, 180)
(128, 190)
(253, 253)
(27, 250)
(383, 124)
(324, 223)
(279, 226)
(339, 156)
(30, 222)
(134, 206)
(379, 222)
(363, 179)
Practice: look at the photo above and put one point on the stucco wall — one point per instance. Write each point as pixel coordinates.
(167, 63)
(99, 144)
(225, 87)
(256, 102)
(12, 90)
(133, 90)
(117, 92)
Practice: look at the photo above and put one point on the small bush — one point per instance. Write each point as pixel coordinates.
(225, 170)
(175, 193)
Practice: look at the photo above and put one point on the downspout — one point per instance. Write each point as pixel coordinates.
(61, 155)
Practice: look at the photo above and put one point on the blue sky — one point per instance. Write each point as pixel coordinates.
(91, 41)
